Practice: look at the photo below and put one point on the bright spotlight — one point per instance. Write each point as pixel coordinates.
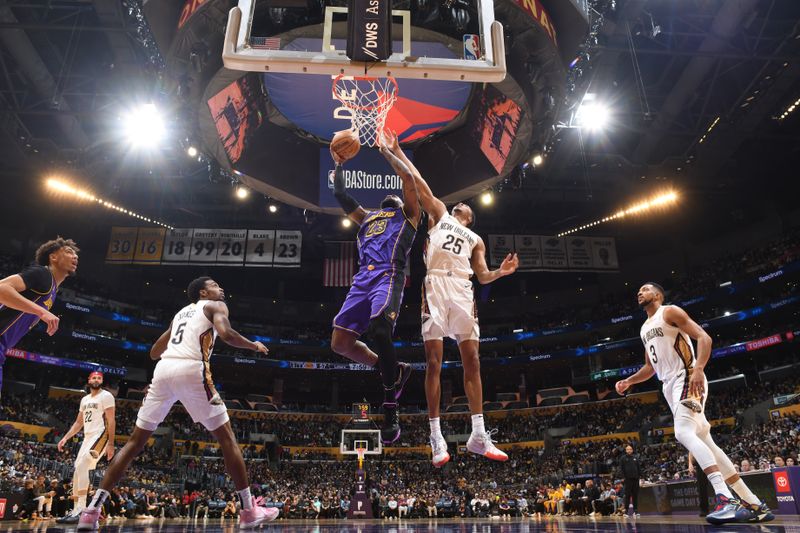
(192, 151)
(144, 126)
(242, 192)
(537, 160)
(487, 198)
(346, 222)
(592, 116)
(272, 208)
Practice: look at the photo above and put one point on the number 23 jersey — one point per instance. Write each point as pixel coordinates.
(450, 246)
(192, 335)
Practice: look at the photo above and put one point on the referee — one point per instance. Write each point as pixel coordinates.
(631, 472)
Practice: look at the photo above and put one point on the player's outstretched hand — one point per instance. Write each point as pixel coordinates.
(336, 158)
(390, 141)
(110, 451)
(261, 348)
(51, 320)
(621, 386)
(509, 265)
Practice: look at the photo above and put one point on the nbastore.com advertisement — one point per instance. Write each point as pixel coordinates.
(368, 178)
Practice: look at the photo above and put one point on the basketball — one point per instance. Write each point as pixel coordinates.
(345, 144)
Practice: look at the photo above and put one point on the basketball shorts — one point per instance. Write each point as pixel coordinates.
(92, 449)
(187, 381)
(677, 389)
(448, 309)
(373, 293)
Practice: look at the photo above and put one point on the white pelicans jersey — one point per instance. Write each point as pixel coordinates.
(93, 411)
(192, 336)
(450, 246)
(669, 349)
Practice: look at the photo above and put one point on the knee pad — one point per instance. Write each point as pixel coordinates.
(380, 328)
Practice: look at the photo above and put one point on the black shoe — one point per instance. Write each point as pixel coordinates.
(404, 372)
(69, 519)
(390, 431)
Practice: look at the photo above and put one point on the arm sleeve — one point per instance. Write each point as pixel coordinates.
(347, 202)
(37, 278)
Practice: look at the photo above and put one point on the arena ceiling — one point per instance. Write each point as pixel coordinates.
(696, 88)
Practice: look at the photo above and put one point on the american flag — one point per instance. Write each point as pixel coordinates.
(265, 43)
(340, 263)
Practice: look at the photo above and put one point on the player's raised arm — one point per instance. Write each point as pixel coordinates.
(10, 296)
(217, 313)
(432, 205)
(410, 197)
(160, 345)
(351, 207)
(679, 318)
(481, 269)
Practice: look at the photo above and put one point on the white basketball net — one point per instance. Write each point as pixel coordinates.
(369, 99)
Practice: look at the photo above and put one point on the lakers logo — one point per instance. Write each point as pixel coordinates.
(48, 303)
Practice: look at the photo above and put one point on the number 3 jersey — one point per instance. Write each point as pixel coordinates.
(450, 246)
(93, 410)
(192, 335)
(669, 349)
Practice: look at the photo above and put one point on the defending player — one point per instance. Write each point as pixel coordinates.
(183, 374)
(453, 254)
(96, 419)
(669, 354)
(373, 303)
(27, 297)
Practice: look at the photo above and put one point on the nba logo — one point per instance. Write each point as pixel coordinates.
(331, 175)
(472, 47)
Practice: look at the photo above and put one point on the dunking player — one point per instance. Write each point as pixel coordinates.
(453, 254)
(373, 302)
(27, 297)
(96, 419)
(183, 374)
(669, 354)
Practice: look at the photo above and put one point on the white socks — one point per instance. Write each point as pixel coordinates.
(745, 493)
(715, 478)
(80, 505)
(246, 497)
(99, 498)
(436, 428)
(477, 425)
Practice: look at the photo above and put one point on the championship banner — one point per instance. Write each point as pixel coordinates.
(205, 246)
(499, 247)
(550, 253)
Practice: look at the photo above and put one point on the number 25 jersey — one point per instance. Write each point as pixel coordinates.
(192, 335)
(450, 246)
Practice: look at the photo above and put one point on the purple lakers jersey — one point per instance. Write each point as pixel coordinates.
(385, 239)
(41, 289)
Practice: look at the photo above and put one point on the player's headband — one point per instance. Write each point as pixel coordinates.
(93, 374)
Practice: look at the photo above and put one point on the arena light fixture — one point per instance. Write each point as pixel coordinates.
(487, 198)
(346, 222)
(144, 126)
(272, 208)
(662, 200)
(593, 116)
(537, 160)
(242, 192)
(60, 186)
(192, 151)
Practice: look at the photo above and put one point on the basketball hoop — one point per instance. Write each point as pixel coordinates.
(369, 99)
(360, 452)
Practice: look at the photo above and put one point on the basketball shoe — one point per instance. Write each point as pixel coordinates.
(390, 431)
(256, 515)
(724, 511)
(754, 513)
(72, 518)
(89, 519)
(440, 457)
(404, 372)
(482, 444)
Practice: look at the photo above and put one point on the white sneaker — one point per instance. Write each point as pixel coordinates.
(440, 457)
(482, 444)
